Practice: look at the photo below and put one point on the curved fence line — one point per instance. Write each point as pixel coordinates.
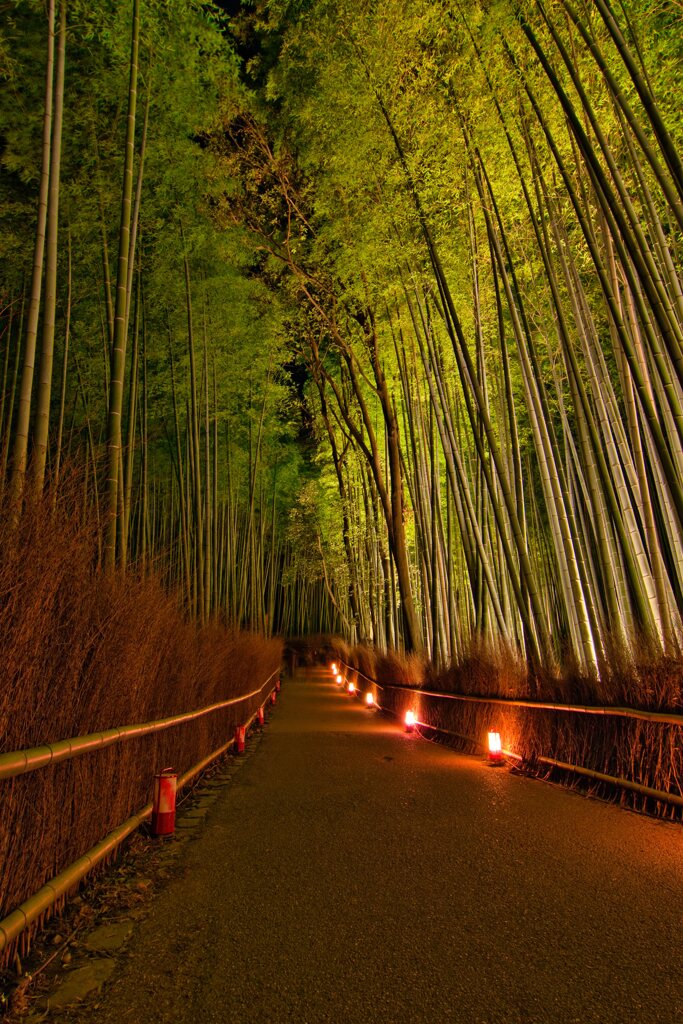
(62, 884)
(586, 709)
(19, 762)
(615, 780)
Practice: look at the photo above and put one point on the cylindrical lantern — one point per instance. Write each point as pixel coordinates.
(278, 686)
(163, 804)
(261, 715)
(240, 736)
(352, 689)
(273, 697)
(495, 749)
(410, 721)
(333, 668)
(369, 700)
(340, 679)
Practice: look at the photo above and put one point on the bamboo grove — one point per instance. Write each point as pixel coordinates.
(367, 317)
(477, 211)
(137, 356)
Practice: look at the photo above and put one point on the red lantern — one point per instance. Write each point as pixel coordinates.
(163, 803)
(240, 736)
(260, 715)
(410, 721)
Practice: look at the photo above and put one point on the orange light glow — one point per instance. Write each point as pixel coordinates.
(495, 746)
(410, 721)
(352, 688)
(340, 679)
(369, 699)
(495, 749)
(333, 668)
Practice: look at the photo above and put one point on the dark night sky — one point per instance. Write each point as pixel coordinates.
(231, 7)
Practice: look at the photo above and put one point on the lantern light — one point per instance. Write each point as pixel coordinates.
(340, 679)
(333, 668)
(369, 699)
(495, 749)
(352, 689)
(410, 721)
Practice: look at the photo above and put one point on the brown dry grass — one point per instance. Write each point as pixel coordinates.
(642, 678)
(80, 653)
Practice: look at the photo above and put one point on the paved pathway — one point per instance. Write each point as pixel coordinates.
(353, 874)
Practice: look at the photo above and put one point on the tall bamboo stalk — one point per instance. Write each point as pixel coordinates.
(118, 354)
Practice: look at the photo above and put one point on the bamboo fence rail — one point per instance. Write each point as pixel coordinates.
(664, 718)
(634, 713)
(59, 887)
(19, 762)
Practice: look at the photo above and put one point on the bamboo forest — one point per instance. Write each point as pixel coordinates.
(357, 322)
(342, 339)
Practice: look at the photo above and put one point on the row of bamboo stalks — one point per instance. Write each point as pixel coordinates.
(499, 399)
(504, 423)
(181, 487)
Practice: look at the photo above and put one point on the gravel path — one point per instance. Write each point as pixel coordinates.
(352, 873)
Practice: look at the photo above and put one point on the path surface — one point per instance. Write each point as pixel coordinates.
(356, 874)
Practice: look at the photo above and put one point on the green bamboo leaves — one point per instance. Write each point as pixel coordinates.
(508, 220)
(397, 347)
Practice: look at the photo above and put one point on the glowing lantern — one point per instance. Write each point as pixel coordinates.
(495, 749)
(340, 679)
(352, 689)
(410, 721)
(333, 667)
(369, 699)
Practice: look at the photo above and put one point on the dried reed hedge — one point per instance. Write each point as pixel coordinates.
(80, 653)
(650, 754)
